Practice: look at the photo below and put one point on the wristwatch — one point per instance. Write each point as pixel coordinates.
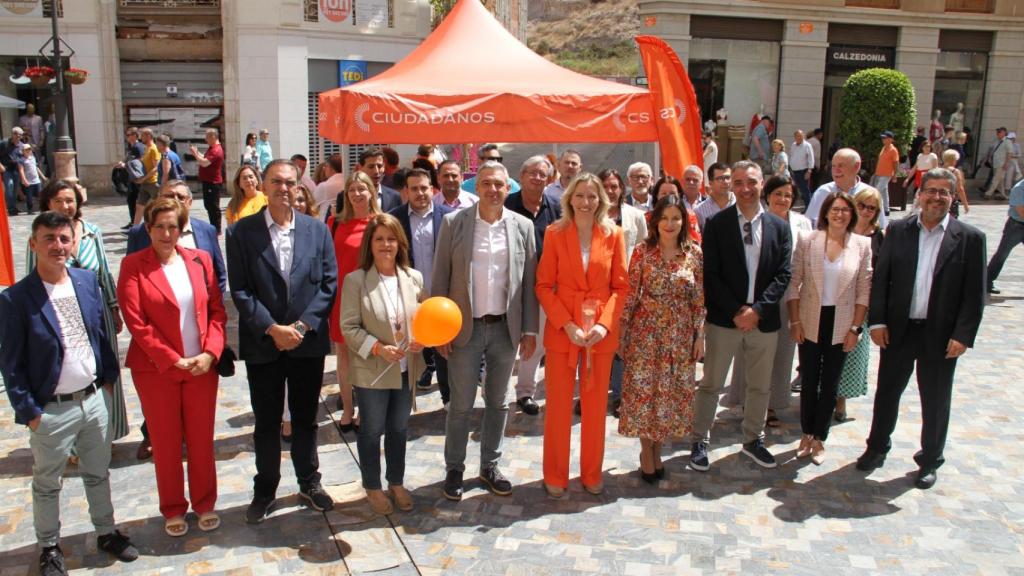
(858, 330)
(300, 328)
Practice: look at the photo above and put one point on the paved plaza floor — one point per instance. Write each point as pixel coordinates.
(737, 518)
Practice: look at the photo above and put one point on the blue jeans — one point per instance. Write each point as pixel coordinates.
(383, 412)
(11, 191)
(1013, 234)
(881, 183)
(803, 185)
(492, 343)
(31, 192)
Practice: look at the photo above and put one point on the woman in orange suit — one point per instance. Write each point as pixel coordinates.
(583, 269)
(172, 306)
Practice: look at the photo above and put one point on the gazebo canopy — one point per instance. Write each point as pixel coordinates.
(473, 81)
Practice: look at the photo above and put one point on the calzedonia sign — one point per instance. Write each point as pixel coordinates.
(860, 57)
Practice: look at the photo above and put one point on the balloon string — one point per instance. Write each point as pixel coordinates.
(385, 371)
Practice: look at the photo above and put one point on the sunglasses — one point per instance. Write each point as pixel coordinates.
(868, 207)
(748, 234)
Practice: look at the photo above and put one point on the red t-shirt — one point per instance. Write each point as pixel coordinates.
(213, 174)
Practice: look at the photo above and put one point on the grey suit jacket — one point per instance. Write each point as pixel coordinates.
(453, 276)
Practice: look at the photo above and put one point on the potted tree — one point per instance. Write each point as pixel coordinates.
(39, 75)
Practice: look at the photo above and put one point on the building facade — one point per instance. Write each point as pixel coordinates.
(181, 66)
(789, 59)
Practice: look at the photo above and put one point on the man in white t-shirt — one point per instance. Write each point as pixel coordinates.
(58, 365)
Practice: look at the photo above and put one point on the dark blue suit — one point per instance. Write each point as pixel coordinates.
(263, 299)
(434, 361)
(206, 240)
(389, 199)
(31, 348)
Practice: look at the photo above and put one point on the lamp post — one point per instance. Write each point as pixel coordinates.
(64, 155)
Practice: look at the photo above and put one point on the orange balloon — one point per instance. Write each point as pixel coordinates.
(437, 322)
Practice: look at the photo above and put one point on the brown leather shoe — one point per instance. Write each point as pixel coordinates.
(145, 451)
(379, 502)
(402, 497)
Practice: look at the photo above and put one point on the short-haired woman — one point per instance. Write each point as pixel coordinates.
(378, 302)
(665, 304)
(828, 300)
(780, 160)
(173, 309)
(581, 283)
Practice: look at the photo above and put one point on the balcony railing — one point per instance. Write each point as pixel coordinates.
(893, 4)
(978, 6)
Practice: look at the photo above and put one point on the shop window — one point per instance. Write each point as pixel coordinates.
(894, 4)
(960, 80)
(980, 6)
(708, 78)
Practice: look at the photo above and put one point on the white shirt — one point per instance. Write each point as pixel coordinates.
(396, 312)
(78, 367)
(490, 266)
(928, 244)
(327, 192)
(830, 279)
(422, 243)
(281, 240)
(801, 156)
(816, 147)
(187, 239)
(752, 252)
(645, 206)
(463, 200)
(710, 154)
(177, 276)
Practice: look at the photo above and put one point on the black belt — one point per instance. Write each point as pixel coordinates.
(76, 396)
(491, 318)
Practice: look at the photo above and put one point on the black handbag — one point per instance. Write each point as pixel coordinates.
(226, 362)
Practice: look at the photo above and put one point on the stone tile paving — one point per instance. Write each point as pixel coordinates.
(736, 518)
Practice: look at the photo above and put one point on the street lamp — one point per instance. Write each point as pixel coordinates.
(64, 155)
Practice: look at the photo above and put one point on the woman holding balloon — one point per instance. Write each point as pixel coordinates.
(378, 302)
(582, 285)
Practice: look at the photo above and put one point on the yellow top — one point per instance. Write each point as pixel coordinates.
(249, 207)
(149, 160)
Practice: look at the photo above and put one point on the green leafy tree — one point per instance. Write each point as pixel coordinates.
(875, 100)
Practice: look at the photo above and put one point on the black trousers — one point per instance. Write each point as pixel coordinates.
(821, 364)
(304, 377)
(211, 201)
(437, 363)
(133, 196)
(934, 383)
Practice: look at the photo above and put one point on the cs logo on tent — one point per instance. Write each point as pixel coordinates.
(620, 118)
(360, 117)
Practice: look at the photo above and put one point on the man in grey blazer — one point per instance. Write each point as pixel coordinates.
(485, 261)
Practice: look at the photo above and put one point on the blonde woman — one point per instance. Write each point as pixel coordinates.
(246, 197)
(780, 160)
(950, 158)
(582, 285)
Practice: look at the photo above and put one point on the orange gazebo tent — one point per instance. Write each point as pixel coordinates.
(473, 81)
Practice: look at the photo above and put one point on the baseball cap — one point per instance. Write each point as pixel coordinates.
(886, 134)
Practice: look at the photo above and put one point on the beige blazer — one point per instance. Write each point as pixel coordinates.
(808, 279)
(364, 321)
(634, 227)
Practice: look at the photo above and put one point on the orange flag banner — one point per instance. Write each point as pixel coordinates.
(676, 115)
(6, 255)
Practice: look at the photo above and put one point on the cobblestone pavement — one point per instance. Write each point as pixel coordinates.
(737, 518)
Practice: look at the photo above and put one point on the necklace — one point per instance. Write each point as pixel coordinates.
(394, 316)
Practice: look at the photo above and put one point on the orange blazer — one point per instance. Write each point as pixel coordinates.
(562, 285)
(151, 311)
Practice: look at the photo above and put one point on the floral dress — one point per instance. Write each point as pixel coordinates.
(853, 381)
(663, 315)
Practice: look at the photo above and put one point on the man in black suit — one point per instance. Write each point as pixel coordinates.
(746, 273)
(927, 297)
(371, 163)
(421, 221)
(283, 276)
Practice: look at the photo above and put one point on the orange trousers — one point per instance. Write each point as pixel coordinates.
(560, 377)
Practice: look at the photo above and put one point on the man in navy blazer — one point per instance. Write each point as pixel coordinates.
(283, 278)
(746, 273)
(427, 216)
(57, 364)
(371, 163)
(198, 234)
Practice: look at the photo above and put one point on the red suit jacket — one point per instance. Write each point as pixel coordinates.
(151, 311)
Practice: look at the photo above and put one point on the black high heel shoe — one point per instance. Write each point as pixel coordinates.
(651, 478)
(659, 472)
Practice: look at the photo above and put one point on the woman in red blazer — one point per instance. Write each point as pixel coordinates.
(582, 285)
(172, 306)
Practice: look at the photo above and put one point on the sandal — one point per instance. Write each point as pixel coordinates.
(402, 497)
(209, 521)
(772, 421)
(176, 527)
(379, 502)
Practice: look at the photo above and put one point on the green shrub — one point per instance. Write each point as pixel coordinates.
(875, 100)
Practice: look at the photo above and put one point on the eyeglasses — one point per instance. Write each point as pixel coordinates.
(837, 210)
(748, 234)
(721, 178)
(942, 192)
(494, 159)
(868, 207)
(536, 174)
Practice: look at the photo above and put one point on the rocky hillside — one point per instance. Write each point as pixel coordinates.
(590, 36)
